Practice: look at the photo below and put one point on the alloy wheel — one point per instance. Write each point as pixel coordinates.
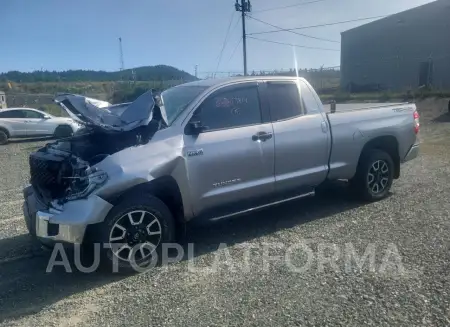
(378, 176)
(135, 235)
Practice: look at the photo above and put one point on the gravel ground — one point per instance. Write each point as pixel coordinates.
(407, 283)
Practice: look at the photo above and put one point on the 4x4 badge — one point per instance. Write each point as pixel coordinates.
(195, 153)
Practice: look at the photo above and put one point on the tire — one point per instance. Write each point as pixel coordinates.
(3, 137)
(63, 131)
(378, 166)
(157, 216)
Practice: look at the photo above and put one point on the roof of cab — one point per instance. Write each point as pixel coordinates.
(218, 81)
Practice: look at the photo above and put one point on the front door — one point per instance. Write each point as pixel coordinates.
(37, 124)
(231, 163)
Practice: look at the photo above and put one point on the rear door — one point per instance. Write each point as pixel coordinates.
(231, 164)
(301, 137)
(15, 122)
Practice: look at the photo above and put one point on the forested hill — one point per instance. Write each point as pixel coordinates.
(146, 73)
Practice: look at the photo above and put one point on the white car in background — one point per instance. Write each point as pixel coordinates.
(28, 122)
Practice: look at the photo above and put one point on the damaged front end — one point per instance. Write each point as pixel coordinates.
(59, 176)
(75, 181)
(63, 171)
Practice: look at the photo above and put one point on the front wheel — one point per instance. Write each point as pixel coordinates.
(135, 230)
(3, 137)
(374, 175)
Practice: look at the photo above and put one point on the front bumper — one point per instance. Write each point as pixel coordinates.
(68, 225)
(412, 153)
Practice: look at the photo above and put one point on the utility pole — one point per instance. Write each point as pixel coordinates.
(196, 71)
(243, 7)
(121, 58)
(133, 75)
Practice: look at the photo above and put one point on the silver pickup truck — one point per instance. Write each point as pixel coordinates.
(209, 149)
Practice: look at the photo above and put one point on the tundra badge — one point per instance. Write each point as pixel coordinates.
(225, 183)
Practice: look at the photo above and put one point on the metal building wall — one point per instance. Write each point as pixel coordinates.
(388, 52)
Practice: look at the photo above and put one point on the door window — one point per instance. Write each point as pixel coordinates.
(32, 114)
(230, 107)
(309, 100)
(284, 100)
(12, 114)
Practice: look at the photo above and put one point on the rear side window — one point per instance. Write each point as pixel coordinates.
(309, 100)
(12, 114)
(230, 108)
(284, 100)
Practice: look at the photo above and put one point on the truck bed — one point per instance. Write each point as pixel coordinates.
(360, 106)
(351, 127)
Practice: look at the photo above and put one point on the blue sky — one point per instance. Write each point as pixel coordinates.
(83, 34)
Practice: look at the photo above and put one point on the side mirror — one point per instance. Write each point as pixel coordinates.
(195, 127)
(47, 117)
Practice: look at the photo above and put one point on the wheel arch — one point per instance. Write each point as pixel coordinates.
(388, 144)
(4, 129)
(63, 125)
(164, 188)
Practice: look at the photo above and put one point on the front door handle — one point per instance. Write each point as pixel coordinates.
(262, 136)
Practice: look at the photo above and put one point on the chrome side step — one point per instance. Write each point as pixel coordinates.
(309, 194)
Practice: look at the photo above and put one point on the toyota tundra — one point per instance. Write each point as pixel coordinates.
(209, 149)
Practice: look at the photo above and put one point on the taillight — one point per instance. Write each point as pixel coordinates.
(416, 122)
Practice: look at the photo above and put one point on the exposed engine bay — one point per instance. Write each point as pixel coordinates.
(63, 170)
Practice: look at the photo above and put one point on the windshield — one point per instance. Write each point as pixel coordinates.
(176, 99)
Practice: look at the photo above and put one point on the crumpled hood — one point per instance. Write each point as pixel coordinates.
(89, 111)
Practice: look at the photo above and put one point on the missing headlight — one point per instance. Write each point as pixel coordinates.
(85, 185)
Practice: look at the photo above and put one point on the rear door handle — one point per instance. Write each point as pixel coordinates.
(262, 136)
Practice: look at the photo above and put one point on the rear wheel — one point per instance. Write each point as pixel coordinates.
(135, 230)
(374, 175)
(63, 131)
(3, 137)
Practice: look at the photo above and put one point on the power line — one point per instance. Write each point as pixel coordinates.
(290, 31)
(290, 6)
(294, 45)
(235, 25)
(320, 25)
(225, 41)
(234, 50)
